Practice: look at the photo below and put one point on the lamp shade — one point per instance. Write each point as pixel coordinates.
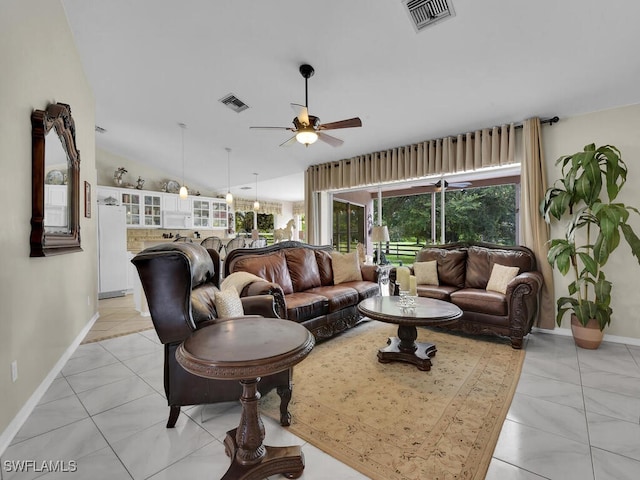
(380, 233)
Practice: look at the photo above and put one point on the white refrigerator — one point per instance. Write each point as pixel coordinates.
(112, 251)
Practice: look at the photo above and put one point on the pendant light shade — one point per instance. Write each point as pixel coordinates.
(229, 197)
(184, 193)
(256, 204)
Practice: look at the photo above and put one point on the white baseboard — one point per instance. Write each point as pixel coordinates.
(607, 338)
(14, 426)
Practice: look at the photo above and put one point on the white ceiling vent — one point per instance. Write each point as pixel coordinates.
(234, 103)
(424, 13)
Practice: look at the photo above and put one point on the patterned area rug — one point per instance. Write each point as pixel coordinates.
(393, 421)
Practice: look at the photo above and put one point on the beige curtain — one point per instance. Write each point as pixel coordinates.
(312, 214)
(534, 231)
(467, 152)
(245, 205)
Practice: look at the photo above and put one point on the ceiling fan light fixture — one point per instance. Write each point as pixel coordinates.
(307, 136)
(184, 193)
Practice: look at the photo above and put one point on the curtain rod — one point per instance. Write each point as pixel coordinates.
(550, 121)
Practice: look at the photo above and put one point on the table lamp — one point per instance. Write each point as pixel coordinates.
(380, 234)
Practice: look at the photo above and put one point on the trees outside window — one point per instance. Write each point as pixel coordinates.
(486, 214)
(244, 222)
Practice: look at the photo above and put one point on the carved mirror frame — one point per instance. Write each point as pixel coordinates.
(43, 243)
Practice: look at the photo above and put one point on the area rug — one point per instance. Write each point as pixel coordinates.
(395, 422)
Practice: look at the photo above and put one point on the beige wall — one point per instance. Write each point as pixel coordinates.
(107, 163)
(44, 302)
(619, 127)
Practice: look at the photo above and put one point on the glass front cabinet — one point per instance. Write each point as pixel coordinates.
(209, 213)
(142, 209)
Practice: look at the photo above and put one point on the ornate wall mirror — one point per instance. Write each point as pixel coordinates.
(55, 217)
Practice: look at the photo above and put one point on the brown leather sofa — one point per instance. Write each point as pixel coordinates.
(180, 281)
(300, 277)
(463, 273)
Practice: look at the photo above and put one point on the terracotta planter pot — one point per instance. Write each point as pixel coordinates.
(589, 337)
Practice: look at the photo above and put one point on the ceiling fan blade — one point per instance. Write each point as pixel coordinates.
(333, 141)
(459, 184)
(301, 112)
(289, 142)
(271, 128)
(349, 123)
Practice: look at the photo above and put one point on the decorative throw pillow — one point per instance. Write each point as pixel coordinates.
(346, 267)
(228, 304)
(426, 272)
(500, 277)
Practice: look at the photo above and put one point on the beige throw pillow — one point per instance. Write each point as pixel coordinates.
(500, 277)
(426, 272)
(228, 304)
(346, 267)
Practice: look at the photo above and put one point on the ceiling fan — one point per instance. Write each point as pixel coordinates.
(439, 184)
(308, 128)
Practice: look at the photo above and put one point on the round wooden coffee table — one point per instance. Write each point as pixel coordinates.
(245, 349)
(404, 348)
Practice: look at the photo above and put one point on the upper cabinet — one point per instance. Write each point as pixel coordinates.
(166, 210)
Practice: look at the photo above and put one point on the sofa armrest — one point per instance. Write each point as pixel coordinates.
(523, 299)
(267, 288)
(263, 305)
(369, 273)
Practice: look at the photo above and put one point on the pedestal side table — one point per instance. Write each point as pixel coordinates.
(245, 349)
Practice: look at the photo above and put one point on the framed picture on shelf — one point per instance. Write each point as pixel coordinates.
(87, 199)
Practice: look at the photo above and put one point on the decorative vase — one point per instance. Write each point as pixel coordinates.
(589, 337)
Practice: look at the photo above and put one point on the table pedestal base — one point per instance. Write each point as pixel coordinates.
(288, 461)
(404, 348)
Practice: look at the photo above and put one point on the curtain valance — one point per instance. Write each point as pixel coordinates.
(488, 147)
(245, 205)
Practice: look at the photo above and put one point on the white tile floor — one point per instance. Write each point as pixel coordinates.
(575, 415)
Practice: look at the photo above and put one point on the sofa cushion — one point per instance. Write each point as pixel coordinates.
(303, 306)
(480, 261)
(346, 267)
(272, 267)
(324, 267)
(339, 296)
(478, 267)
(451, 264)
(365, 289)
(203, 303)
(512, 258)
(500, 277)
(303, 268)
(439, 292)
(426, 272)
(480, 300)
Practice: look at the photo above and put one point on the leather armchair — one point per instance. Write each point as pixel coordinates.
(180, 281)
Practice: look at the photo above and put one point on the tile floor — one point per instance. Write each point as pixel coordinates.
(575, 415)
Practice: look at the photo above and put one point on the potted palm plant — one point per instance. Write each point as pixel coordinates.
(584, 197)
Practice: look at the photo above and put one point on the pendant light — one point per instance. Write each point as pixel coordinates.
(256, 204)
(229, 197)
(184, 193)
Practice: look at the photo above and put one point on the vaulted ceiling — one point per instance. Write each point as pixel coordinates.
(155, 63)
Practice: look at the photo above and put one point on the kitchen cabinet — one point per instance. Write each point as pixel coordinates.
(146, 209)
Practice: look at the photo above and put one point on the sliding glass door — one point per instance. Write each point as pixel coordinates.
(348, 225)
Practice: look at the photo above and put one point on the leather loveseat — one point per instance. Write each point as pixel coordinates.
(301, 279)
(463, 275)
